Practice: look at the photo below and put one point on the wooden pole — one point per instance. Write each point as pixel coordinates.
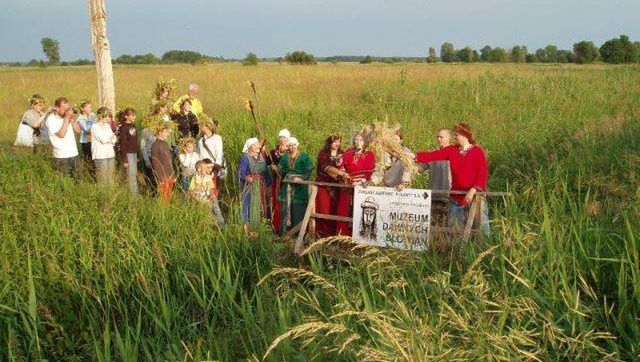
(479, 212)
(297, 249)
(102, 54)
(473, 209)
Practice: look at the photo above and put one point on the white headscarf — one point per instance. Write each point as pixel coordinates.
(293, 141)
(284, 133)
(248, 144)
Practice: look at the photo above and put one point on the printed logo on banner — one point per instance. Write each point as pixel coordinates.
(383, 216)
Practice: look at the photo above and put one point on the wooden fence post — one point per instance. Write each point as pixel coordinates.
(470, 218)
(297, 249)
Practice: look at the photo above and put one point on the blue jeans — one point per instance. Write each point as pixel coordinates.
(132, 172)
(458, 217)
(185, 182)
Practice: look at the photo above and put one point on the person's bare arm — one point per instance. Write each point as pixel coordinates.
(38, 122)
(76, 126)
(63, 129)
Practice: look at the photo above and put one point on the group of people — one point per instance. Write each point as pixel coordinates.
(180, 148)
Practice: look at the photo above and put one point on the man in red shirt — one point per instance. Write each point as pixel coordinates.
(469, 170)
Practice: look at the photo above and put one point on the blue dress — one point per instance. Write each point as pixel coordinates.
(254, 193)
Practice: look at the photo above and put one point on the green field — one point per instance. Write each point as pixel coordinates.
(91, 274)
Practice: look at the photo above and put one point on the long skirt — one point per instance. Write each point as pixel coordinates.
(326, 203)
(24, 136)
(254, 203)
(296, 213)
(345, 208)
(275, 207)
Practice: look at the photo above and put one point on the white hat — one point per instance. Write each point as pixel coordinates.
(293, 141)
(284, 133)
(248, 144)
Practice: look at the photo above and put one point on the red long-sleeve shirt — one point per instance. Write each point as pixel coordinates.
(467, 171)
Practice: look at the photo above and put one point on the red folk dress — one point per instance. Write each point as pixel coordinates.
(468, 169)
(274, 159)
(327, 197)
(359, 166)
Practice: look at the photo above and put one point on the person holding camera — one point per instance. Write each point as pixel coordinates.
(61, 125)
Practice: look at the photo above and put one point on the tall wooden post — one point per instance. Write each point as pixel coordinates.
(102, 54)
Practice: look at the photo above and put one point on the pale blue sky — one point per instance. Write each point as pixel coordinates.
(232, 28)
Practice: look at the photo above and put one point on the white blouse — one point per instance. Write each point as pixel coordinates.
(102, 141)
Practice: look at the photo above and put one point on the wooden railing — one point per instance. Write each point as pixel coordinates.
(475, 212)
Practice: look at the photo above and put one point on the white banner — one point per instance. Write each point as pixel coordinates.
(383, 216)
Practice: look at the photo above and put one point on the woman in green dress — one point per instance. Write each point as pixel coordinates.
(293, 166)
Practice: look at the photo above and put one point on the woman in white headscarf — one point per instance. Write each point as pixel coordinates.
(254, 178)
(294, 166)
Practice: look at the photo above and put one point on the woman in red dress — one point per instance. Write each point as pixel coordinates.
(469, 170)
(329, 170)
(359, 163)
(272, 161)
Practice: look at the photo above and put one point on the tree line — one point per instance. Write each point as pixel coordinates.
(615, 51)
(619, 50)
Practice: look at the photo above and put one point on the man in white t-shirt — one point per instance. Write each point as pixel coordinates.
(62, 124)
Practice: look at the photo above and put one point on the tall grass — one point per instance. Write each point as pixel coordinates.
(94, 274)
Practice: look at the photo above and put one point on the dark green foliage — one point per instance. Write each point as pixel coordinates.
(519, 54)
(250, 59)
(585, 52)
(447, 53)
(182, 56)
(51, 49)
(433, 57)
(499, 55)
(300, 57)
(465, 55)
(137, 59)
(565, 56)
(620, 50)
(486, 53)
(367, 60)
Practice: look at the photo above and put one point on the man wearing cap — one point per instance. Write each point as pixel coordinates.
(273, 160)
(468, 164)
(192, 96)
(61, 125)
(293, 166)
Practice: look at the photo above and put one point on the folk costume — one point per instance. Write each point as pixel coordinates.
(254, 192)
(293, 198)
(360, 166)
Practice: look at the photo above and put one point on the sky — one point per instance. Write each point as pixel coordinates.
(232, 28)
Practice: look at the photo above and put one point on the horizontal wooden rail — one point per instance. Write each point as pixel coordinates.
(434, 192)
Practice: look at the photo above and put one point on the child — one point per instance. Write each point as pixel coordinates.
(210, 145)
(128, 141)
(161, 163)
(188, 159)
(203, 189)
(102, 151)
(148, 137)
(86, 119)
